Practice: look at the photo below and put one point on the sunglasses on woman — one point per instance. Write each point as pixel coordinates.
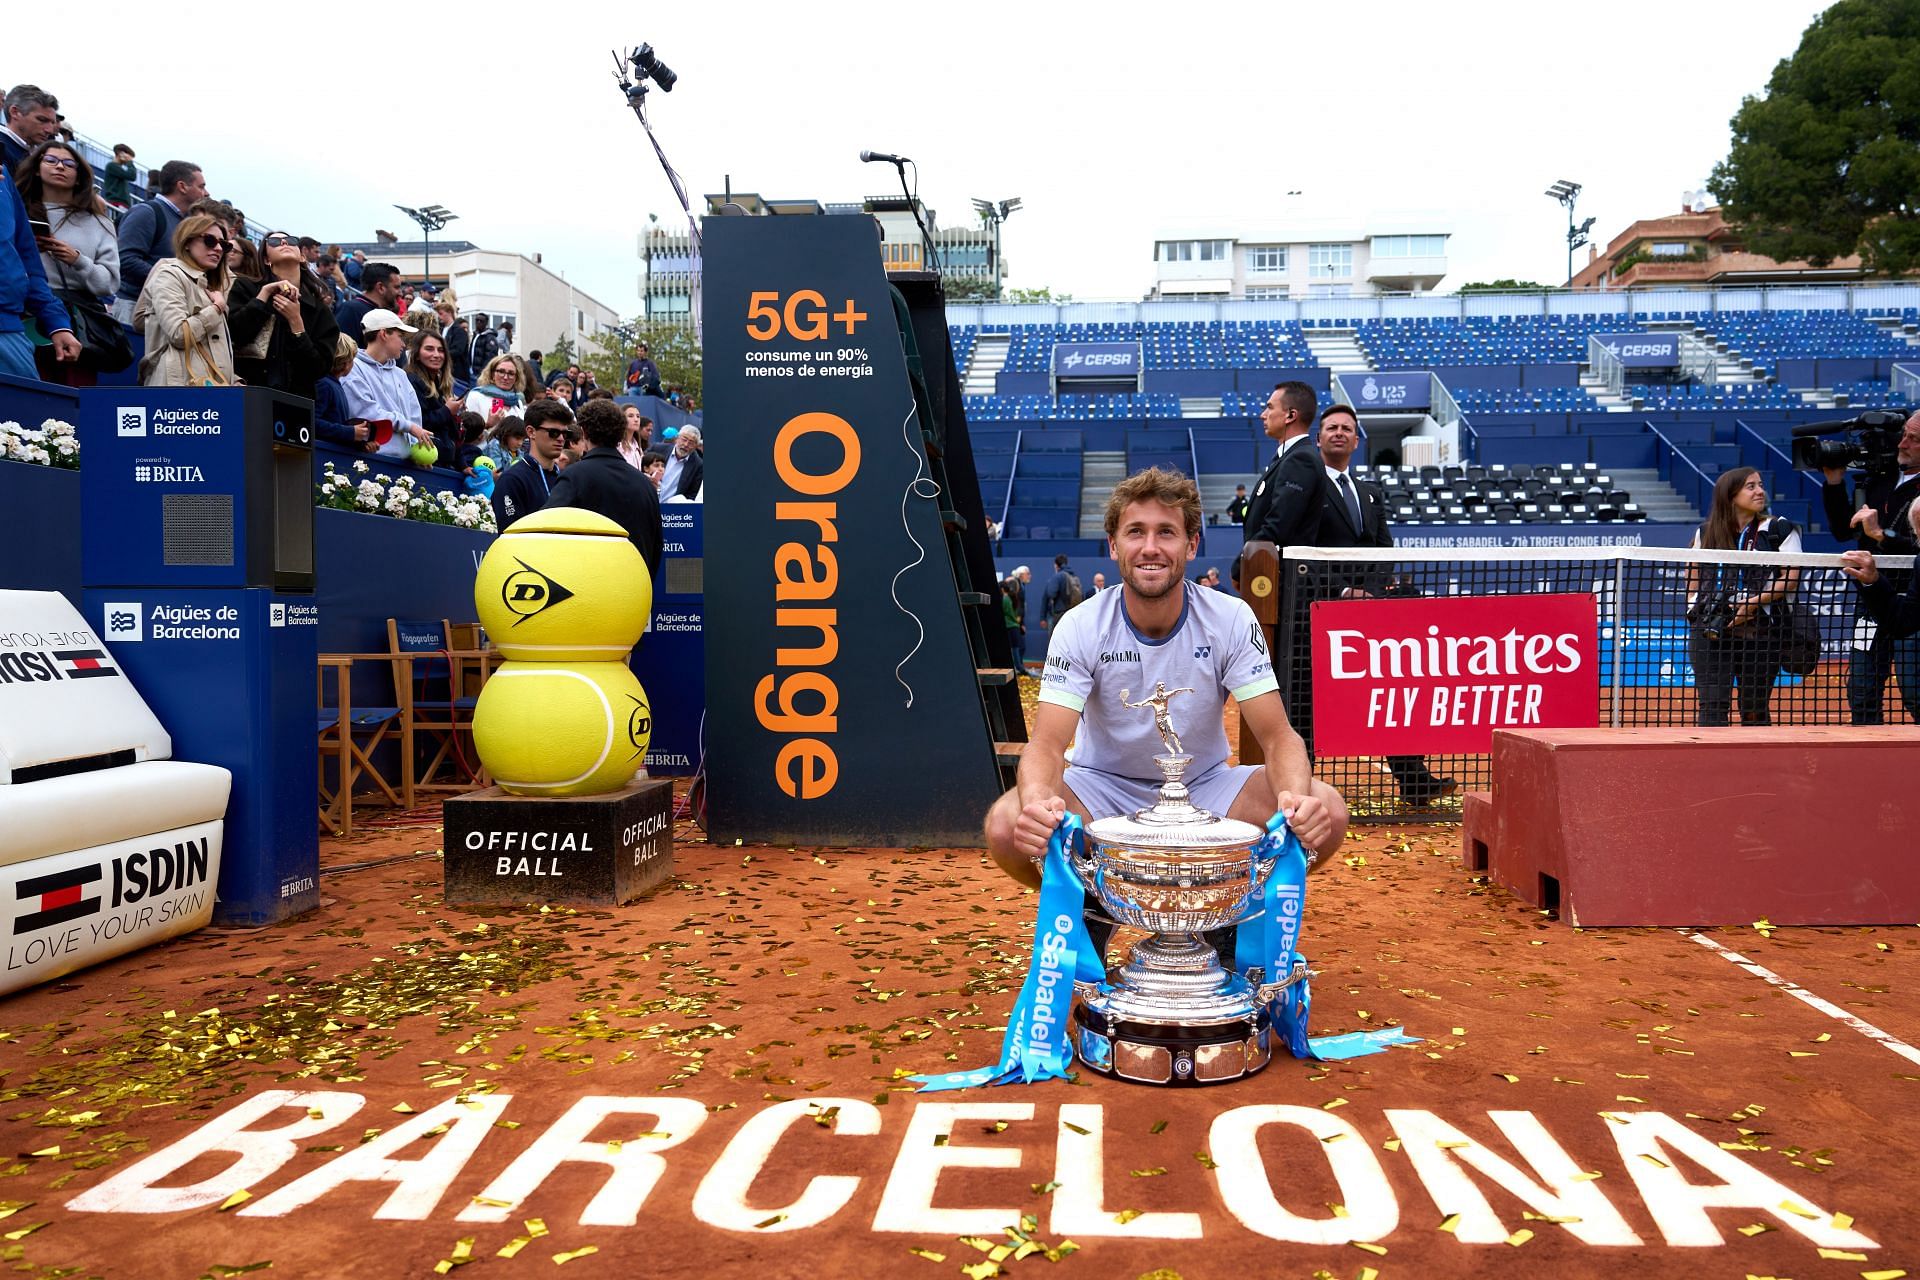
(212, 241)
(276, 241)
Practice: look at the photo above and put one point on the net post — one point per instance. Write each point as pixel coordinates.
(1619, 594)
(1260, 587)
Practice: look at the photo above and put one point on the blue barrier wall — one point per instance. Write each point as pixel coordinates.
(1191, 382)
(1261, 381)
(1021, 384)
(42, 521)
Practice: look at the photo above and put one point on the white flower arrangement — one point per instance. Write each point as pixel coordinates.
(55, 444)
(403, 499)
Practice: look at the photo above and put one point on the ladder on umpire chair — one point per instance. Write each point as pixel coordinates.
(920, 308)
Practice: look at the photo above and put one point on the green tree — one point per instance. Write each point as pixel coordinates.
(968, 288)
(559, 355)
(1501, 286)
(673, 347)
(1042, 294)
(1827, 163)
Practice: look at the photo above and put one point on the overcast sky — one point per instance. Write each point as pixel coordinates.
(1110, 121)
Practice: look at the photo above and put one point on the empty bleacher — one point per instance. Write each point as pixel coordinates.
(1422, 342)
(1243, 344)
(1558, 493)
(1543, 440)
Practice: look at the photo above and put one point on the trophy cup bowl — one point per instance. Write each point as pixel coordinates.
(1173, 1015)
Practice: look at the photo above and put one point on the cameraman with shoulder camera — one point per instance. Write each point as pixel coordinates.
(1898, 615)
(1875, 516)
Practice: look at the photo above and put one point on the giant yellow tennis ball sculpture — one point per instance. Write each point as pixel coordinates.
(563, 585)
(565, 596)
(562, 729)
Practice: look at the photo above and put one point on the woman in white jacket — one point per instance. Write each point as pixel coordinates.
(183, 309)
(79, 250)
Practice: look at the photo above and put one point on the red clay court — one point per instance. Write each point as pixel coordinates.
(710, 1082)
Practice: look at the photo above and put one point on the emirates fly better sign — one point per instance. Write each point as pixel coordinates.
(1406, 677)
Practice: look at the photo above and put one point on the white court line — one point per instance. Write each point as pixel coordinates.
(1800, 993)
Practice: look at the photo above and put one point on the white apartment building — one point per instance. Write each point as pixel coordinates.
(542, 304)
(1300, 258)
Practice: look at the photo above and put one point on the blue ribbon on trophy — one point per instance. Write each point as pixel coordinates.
(1037, 1046)
(1273, 944)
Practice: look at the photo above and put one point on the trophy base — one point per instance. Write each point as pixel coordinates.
(1188, 1054)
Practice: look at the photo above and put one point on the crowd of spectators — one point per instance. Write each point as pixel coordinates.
(393, 370)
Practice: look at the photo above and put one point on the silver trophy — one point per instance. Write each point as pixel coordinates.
(1172, 1015)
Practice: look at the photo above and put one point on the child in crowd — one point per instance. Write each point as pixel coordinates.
(508, 439)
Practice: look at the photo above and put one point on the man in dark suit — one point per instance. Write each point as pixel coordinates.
(1286, 510)
(1875, 516)
(603, 481)
(1286, 503)
(1355, 515)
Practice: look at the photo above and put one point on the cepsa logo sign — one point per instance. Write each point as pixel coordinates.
(800, 699)
(1393, 677)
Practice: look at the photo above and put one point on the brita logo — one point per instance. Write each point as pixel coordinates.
(144, 473)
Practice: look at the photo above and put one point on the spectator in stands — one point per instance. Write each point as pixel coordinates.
(526, 485)
(24, 290)
(498, 391)
(310, 253)
(505, 441)
(183, 308)
(528, 378)
(1896, 613)
(446, 314)
(118, 177)
(432, 381)
(602, 480)
(352, 266)
(379, 291)
(1737, 613)
(377, 388)
(643, 375)
(146, 233)
(1354, 514)
(1286, 503)
(653, 464)
(331, 421)
(506, 335)
(472, 443)
(1062, 593)
(1874, 517)
(231, 221)
(243, 260)
(1099, 583)
(459, 341)
(685, 467)
(335, 284)
(284, 336)
(1016, 634)
(32, 117)
(81, 258)
(639, 437)
(1237, 509)
(562, 389)
(486, 345)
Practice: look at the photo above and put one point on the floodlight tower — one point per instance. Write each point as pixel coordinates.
(994, 215)
(1567, 193)
(431, 219)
